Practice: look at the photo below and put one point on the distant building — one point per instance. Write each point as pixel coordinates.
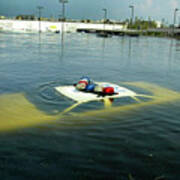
(26, 17)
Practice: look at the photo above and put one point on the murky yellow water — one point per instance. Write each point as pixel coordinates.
(17, 112)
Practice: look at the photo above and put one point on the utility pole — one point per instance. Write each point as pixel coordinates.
(132, 13)
(39, 9)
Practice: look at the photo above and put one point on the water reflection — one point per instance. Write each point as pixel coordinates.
(62, 43)
(103, 47)
(170, 53)
(178, 45)
(129, 56)
(39, 42)
(129, 48)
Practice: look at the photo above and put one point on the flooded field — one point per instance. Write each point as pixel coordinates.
(130, 140)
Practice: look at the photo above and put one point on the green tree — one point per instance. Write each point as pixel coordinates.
(142, 24)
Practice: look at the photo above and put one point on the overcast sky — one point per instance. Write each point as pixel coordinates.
(92, 9)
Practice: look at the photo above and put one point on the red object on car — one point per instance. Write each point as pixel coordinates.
(108, 90)
(85, 82)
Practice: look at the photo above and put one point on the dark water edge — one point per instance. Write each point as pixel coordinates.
(140, 143)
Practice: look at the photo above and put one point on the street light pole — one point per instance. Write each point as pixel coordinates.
(63, 14)
(175, 11)
(105, 16)
(132, 13)
(63, 7)
(40, 8)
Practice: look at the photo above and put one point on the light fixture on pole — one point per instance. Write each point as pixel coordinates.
(39, 9)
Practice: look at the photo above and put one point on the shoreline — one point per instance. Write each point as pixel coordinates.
(35, 26)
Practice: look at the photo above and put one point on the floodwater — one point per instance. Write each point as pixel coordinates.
(130, 140)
